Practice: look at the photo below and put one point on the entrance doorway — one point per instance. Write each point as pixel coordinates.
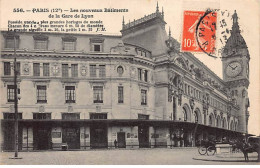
(98, 136)
(143, 136)
(71, 136)
(121, 140)
(42, 138)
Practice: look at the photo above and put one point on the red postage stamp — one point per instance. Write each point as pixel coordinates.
(199, 31)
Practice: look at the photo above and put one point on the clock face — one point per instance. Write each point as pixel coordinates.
(233, 69)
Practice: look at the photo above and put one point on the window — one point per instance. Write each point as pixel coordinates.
(139, 74)
(42, 116)
(70, 96)
(102, 71)
(184, 114)
(18, 68)
(92, 71)
(98, 116)
(196, 117)
(41, 94)
(74, 70)
(10, 93)
(97, 44)
(97, 47)
(7, 68)
(36, 69)
(120, 94)
(70, 116)
(144, 97)
(65, 70)
(46, 69)
(9, 43)
(69, 46)
(40, 44)
(69, 43)
(98, 94)
(210, 120)
(145, 75)
(143, 117)
(12, 116)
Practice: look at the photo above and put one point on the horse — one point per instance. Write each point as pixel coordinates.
(246, 148)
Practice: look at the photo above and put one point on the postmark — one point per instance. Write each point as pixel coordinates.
(199, 31)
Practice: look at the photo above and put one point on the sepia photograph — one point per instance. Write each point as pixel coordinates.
(129, 82)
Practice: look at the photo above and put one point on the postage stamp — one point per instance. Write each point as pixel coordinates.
(199, 31)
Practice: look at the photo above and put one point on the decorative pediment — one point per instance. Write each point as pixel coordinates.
(41, 37)
(180, 61)
(96, 40)
(69, 38)
(11, 35)
(41, 82)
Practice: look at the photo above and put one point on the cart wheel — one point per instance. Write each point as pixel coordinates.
(211, 150)
(202, 150)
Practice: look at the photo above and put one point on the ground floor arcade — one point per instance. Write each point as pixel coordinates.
(88, 134)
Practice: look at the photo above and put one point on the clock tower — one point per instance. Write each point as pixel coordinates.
(235, 63)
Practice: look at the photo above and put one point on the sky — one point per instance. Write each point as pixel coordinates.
(247, 10)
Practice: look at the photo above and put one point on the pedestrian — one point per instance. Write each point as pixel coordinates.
(115, 143)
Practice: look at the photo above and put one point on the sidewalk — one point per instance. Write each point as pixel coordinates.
(229, 157)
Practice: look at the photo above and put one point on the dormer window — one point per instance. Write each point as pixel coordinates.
(97, 44)
(40, 42)
(69, 43)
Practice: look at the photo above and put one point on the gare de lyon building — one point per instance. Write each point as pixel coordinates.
(86, 91)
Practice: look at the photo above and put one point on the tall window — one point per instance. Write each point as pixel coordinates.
(98, 94)
(143, 97)
(210, 120)
(184, 114)
(69, 45)
(145, 75)
(74, 70)
(7, 68)
(196, 117)
(120, 94)
(18, 68)
(36, 69)
(46, 69)
(102, 71)
(70, 96)
(41, 94)
(42, 116)
(10, 93)
(41, 44)
(139, 74)
(65, 70)
(92, 71)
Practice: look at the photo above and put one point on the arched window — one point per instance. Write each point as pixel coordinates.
(184, 114)
(231, 125)
(210, 120)
(196, 117)
(224, 123)
(218, 121)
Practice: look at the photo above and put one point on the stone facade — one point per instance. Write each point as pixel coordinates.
(134, 90)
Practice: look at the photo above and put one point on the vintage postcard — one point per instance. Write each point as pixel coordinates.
(120, 82)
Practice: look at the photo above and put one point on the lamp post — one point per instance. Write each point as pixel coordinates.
(15, 104)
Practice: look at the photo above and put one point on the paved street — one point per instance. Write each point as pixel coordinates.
(116, 156)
